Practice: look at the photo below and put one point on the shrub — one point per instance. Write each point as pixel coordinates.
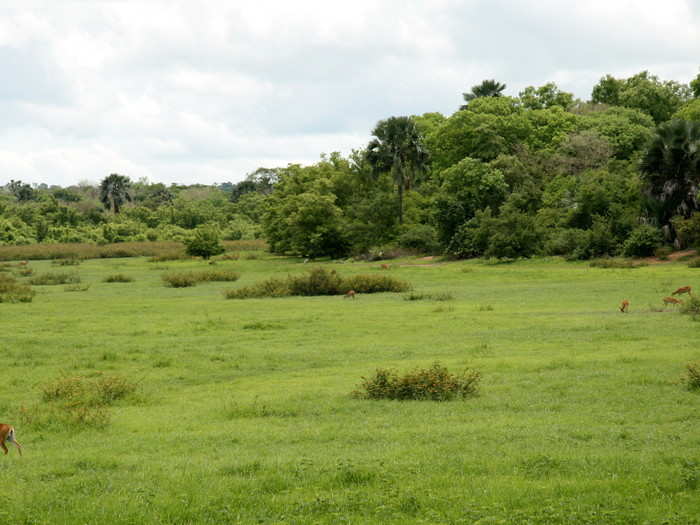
(691, 306)
(81, 390)
(435, 383)
(118, 278)
(441, 296)
(692, 376)
(53, 278)
(76, 288)
(69, 261)
(422, 238)
(204, 243)
(319, 281)
(179, 279)
(216, 275)
(13, 292)
(642, 242)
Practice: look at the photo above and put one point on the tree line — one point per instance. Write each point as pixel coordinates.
(503, 176)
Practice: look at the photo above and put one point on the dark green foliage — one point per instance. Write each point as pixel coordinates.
(114, 192)
(179, 279)
(422, 238)
(419, 296)
(642, 242)
(53, 278)
(487, 88)
(319, 281)
(435, 384)
(671, 171)
(118, 278)
(691, 306)
(204, 243)
(13, 292)
(692, 376)
(687, 230)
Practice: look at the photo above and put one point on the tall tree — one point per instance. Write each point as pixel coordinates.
(671, 170)
(398, 148)
(488, 88)
(114, 191)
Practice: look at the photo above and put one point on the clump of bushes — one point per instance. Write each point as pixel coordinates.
(319, 281)
(184, 279)
(205, 242)
(53, 278)
(692, 376)
(68, 261)
(642, 242)
(435, 384)
(13, 292)
(118, 278)
(691, 306)
(77, 401)
(440, 296)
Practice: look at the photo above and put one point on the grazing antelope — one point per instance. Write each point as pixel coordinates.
(682, 290)
(624, 305)
(22, 263)
(672, 300)
(385, 267)
(349, 294)
(7, 433)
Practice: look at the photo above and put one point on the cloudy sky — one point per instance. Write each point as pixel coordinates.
(204, 92)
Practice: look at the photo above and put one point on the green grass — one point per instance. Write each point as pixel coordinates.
(243, 410)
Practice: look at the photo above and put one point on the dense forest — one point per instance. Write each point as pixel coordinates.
(504, 177)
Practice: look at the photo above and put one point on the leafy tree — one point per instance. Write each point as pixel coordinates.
(545, 97)
(671, 170)
(689, 111)
(487, 88)
(467, 187)
(114, 192)
(627, 130)
(22, 192)
(398, 148)
(643, 91)
(695, 86)
(204, 243)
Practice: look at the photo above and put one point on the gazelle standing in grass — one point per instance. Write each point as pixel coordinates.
(682, 290)
(350, 294)
(624, 305)
(672, 300)
(7, 433)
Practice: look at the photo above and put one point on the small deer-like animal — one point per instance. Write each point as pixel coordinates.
(7, 433)
(349, 294)
(682, 290)
(672, 300)
(385, 267)
(624, 305)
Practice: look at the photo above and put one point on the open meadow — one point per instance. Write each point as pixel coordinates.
(240, 411)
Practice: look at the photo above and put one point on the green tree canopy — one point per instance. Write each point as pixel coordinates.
(545, 97)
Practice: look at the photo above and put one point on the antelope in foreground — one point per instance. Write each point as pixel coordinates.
(7, 433)
(624, 305)
(349, 294)
(672, 300)
(682, 290)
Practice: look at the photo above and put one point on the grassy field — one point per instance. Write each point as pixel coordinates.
(243, 413)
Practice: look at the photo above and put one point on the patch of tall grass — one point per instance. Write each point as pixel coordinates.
(185, 279)
(12, 291)
(53, 278)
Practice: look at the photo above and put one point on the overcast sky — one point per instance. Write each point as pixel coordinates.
(204, 92)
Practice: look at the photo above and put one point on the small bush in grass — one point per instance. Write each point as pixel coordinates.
(76, 287)
(372, 283)
(269, 288)
(69, 261)
(318, 281)
(695, 263)
(440, 296)
(53, 278)
(435, 383)
(205, 242)
(217, 275)
(692, 376)
(118, 278)
(13, 292)
(83, 391)
(691, 306)
(179, 279)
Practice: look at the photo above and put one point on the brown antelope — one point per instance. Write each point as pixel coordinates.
(349, 294)
(624, 305)
(22, 263)
(672, 300)
(682, 290)
(385, 267)
(7, 433)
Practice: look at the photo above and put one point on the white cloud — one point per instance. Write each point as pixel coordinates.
(204, 92)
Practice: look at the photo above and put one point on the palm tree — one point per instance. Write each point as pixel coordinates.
(671, 170)
(488, 88)
(397, 147)
(114, 191)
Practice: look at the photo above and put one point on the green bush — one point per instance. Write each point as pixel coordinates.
(216, 275)
(691, 306)
(205, 242)
(435, 383)
(692, 376)
(422, 238)
(53, 278)
(13, 292)
(118, 278)
(179, 279)
(319, 281)
(642, 242)
(440, 296)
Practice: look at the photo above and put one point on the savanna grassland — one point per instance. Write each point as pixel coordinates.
(240, 411)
